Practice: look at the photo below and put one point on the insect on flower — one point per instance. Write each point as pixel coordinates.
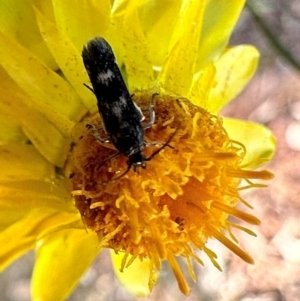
(121, 116)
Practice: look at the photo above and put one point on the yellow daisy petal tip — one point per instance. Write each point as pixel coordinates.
(258, 139)
(136, 276)
(79, 249)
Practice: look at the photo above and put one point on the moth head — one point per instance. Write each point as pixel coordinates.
(136, 160)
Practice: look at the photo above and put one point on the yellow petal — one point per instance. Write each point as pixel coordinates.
(158, 19)
(18, 198)
(177, 73)
(40, 131)
(68, 59)
(18, 21)
(203, 83)
(50, 94)
(134, 278)
(138, 66)
(61, 260)
(23, 162)
(259, 140)
(82, 21)
(45, 7)
(10, 130)
(234, 69)
(22, 235)
(219, 20)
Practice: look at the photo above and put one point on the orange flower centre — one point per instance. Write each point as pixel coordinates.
(181, 199)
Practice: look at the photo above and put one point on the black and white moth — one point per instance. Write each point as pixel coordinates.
(121, 117)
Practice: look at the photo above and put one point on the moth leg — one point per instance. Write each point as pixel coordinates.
(96, 134)
(151, 113)
(155, 143)
(139, 111)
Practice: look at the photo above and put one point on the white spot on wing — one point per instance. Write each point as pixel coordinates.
(117, 111)
(105, 77)
(123, 101)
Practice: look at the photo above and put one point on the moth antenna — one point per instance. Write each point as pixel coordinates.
(121, 175)
(116, 178)
(162, 147)
(107, 159)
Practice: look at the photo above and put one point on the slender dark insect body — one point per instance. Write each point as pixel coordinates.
(121, 117)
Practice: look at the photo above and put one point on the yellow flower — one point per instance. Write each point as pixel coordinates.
(187, 191)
